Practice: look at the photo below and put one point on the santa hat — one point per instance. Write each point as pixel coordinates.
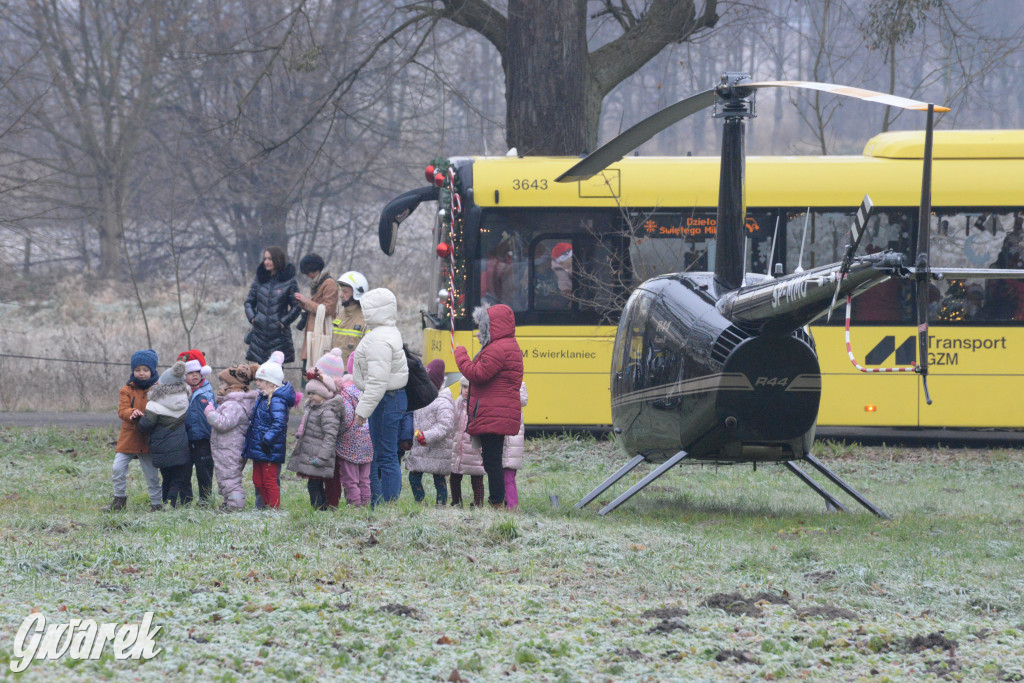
(332, 364)
(562, 252)
(271, 371)
(195, 362)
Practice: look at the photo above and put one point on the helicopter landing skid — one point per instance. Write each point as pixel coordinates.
(850, 491)
(637, 487)
(831, 504)
(622, 471)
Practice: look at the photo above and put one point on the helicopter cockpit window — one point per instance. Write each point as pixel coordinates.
(977, 238)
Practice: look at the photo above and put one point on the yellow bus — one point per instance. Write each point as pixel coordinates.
(565, 256)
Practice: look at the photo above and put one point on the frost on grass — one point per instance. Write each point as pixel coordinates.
(690, 582)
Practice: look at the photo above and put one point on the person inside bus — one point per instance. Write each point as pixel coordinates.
(497, 281)
(546, 296)
(883, 303)
(1004, 299)
(561, 265)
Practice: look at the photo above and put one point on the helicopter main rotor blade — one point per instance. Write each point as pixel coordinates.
(618, 147)
(849, 91)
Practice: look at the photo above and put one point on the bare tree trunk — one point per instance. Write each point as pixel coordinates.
(547, 108)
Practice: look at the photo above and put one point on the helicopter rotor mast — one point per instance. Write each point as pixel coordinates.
(734, 107)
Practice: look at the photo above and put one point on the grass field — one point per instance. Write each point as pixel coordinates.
(711, 573)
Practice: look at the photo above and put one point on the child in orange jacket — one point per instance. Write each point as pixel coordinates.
(131, 443)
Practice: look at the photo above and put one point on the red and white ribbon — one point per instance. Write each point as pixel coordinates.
(849, 350)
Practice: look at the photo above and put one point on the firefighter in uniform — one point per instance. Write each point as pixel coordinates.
(349, 326)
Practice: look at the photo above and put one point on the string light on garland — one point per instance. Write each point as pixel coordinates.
(449, 248)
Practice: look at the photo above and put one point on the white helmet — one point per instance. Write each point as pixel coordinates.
(355, 280)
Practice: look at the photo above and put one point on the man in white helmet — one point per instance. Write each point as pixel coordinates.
(349, 326)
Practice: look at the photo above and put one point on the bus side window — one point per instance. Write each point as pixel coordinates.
(552, 275)
(503, 271)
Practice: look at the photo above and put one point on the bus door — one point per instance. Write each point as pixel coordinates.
(976, 341)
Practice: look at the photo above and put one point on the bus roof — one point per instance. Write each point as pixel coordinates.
(971, 168)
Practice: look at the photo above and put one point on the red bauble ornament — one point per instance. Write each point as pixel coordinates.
(439, 179)
(444, 250)
(429, 172)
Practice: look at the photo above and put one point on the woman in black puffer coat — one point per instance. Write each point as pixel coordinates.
(271, 308)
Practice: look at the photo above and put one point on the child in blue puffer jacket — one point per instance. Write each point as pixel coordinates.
(196, 425)
(265, 439)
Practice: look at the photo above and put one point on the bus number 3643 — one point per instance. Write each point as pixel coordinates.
(526, 184)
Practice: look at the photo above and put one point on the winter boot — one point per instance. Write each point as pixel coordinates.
(117, 504)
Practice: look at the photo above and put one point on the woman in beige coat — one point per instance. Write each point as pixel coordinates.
(323, 291)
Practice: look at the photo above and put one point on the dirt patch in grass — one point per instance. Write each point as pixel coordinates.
(929, 642)
(669, 625)
(664, 613)
(821, 577)
(826, 612)
(401, 610)
(629, 653)
(737, 605)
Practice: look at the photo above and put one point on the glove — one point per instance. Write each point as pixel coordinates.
(405, 444)
(209, 409)
(420, 438)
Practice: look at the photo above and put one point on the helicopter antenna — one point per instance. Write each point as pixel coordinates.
(771, 254)
(803, 241)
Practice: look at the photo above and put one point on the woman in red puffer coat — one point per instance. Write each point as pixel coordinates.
(495, 374)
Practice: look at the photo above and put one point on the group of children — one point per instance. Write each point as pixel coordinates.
(175, 422)
(442, 447)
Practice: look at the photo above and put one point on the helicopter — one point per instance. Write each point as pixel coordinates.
(720, 367)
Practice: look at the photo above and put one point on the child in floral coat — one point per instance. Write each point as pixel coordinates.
(354, 449)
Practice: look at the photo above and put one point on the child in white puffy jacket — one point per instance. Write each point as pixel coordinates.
(512, 456)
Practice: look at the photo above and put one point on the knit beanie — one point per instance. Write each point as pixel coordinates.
(311, 263)
(145, 357)
(195, 362)
(332, 364)
(435, 371)
(236, 378)
(324, 388)
(271, 371)
(173, 374)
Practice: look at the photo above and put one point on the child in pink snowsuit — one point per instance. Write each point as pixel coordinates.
(230, 422)
(355, 449)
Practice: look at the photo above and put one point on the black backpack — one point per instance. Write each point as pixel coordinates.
(419, 391)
